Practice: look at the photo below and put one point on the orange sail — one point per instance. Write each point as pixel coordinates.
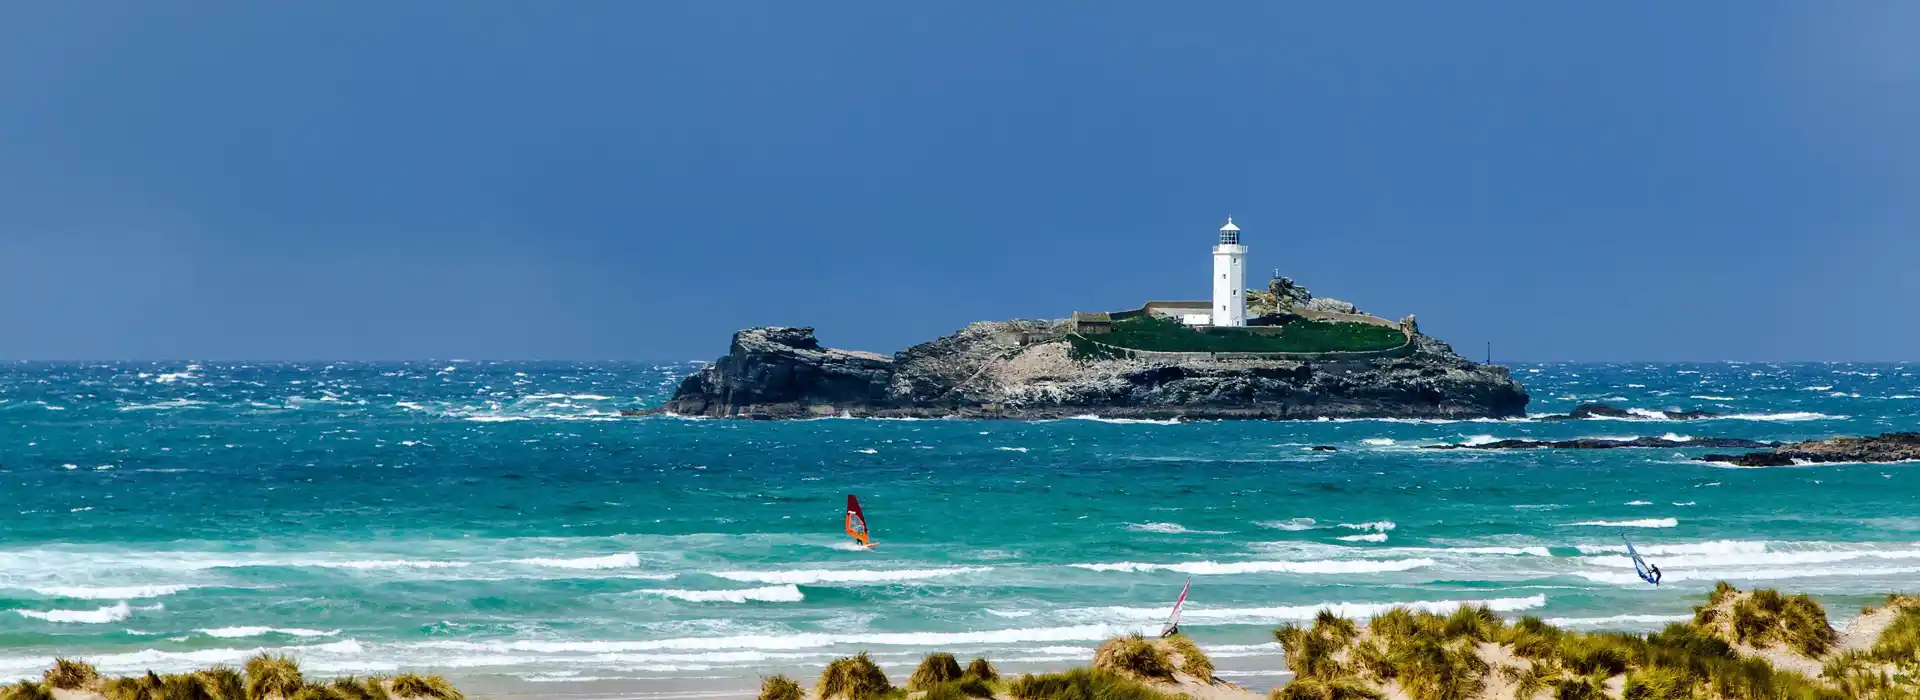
(857, 522)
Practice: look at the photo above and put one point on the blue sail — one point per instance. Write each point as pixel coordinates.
(1647, 573)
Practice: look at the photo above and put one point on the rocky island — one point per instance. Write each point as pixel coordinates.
(1298, 358)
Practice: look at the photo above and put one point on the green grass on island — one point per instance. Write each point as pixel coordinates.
(1156, 334)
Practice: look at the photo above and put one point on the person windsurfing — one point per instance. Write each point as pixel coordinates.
(1173, 621)
(1647, 572)
(857, 522)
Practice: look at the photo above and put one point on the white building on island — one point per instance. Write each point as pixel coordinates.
(1229, 278)
(1228, 308)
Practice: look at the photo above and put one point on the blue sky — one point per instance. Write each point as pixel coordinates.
(636, 180)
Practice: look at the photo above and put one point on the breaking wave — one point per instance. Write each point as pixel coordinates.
(1209, 568)
(813, 576)
(1643, 522)
(788, 593)
(111, 613)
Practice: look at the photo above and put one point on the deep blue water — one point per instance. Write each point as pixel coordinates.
(486, 519)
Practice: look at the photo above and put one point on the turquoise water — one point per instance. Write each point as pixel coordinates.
(499, 520)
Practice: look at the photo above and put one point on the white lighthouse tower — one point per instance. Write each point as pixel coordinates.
(1230, 278)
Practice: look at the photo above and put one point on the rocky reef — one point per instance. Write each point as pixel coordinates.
(1029, 370)
(1886, 447)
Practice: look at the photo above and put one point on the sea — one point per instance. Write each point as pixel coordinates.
(502, 524)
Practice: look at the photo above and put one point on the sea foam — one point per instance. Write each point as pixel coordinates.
(814, 576)
(788, 593)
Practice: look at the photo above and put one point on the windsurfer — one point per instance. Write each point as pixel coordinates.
(1656, 574)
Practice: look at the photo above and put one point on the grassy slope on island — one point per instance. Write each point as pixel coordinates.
(1157, 334)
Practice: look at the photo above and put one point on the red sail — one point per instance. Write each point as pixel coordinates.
(1173, 621)
(857, 522)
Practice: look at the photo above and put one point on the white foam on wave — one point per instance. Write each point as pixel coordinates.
(1476, 440)
(1643, 522)
(1127, 421)
(111, 613)
(1378, 526)
(626, 560)
(1378, 442)
(1369, 537)
(1712, 547)
(1290, 525)
(573, 397)
(1011, 449)
(1766, 558)
(1629, 578)
(782, 642)
(1267, 615)
(1793, 416)
(1170, 529)
(1615, 620)
(1708, 397)
(240, 632)
(313, 657)
(814, 576)
(788, 593)
(168, 405)
(1639, 503)
(1210, 568)
(110, 592)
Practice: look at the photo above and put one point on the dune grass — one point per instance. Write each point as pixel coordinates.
(410, 685)
(935, 669)
(1899, 644)
(71, 674)
(1084, 684)
(1766, 617)
(853, 678)
(982, 669)
(1193, 661)
(273, 676)
(1133, 655)
(27, 690)
(779, 687)
(1320, 689)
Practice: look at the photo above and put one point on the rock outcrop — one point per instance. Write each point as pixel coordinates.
(1886, 447)
(1027, 370)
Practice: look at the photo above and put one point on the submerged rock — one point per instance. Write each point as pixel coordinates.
(1886, 447)
(1605, 444)
(1027, 370)
(1599, 410)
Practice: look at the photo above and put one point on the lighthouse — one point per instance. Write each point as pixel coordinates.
(1229, 278)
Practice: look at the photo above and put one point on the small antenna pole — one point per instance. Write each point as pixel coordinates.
(1489, 352)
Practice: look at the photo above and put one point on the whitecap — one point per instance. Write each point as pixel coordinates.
(1011, 449)
(110, 592)
(1210, 568)
(1291, 524)
(1370, 537)
(1639, 503)
(1643, 522)
(239, 632)
(627, 560)
(1287, 613)
(1616, 620)
(1379, 526)
(788, 593)
(1378, 442)
(815, 576)
(111, 613)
